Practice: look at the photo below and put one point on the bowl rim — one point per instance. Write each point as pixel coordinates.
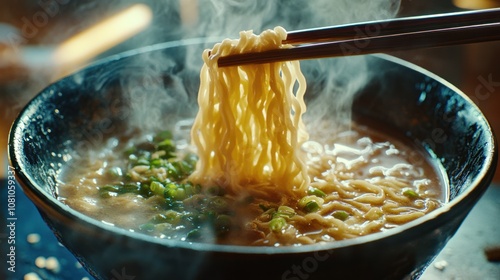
(49, 204)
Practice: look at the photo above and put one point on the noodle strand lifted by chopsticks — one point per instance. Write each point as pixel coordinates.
(249, 128)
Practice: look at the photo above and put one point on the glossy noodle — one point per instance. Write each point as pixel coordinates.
(249, 129)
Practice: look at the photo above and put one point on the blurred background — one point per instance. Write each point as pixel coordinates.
(44, 40)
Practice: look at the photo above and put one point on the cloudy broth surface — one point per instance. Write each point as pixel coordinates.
(362, 181)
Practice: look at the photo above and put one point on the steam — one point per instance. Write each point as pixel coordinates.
(228, 17)
(331, 82)
(181, 19)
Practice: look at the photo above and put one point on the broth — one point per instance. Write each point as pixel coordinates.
(363, 180)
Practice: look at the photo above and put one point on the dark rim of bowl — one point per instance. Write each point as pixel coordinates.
(46, 202)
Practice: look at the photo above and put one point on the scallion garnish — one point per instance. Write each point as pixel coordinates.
(316, 192)
(310, 203)
(411, 194)
(341, 215)
(277, 224)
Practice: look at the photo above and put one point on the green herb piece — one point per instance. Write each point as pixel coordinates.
(147, 227)
(110, 188)
(157, 188)
(108, 194)
(131, 188)
(310, 203)
(341, 215)
(180, 194)
(158, 162)
(411, 194)
(168, 146)
(311, 206)
(114, 172)
(141, 161)
(160, 136)
(277, 224)
(316, 192)
(189, 190)
(284, 212)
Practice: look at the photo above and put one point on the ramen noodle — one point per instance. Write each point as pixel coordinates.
(249, 128)
(253, 174)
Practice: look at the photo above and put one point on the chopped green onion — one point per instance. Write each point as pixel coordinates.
(130, 188)
(110, 188)
(157, 188)
(168, 146)
(341, 215)
(147, 227)
(141, 161)
(108, 194)
(316, 192)
(172, 171)
(284, 211)
(411, 194)
(159, 137)
(180, 194)
(189, 189)
(157, 162)
(170, 192)
(277, 224)
(310, 203)
(114, 172)
(311, 206)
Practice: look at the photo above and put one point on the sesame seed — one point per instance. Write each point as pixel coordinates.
(32, 276)
(441, 265)
(52, 264)
(33, 238)
(40, 262)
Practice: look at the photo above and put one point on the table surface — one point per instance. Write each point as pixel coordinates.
(462, 258)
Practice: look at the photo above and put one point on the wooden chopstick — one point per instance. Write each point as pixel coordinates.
(418, 32)
(393, 26)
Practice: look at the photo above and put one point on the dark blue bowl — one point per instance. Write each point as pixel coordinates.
(79, 112)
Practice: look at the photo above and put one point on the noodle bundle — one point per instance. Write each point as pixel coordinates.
(249, 129)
